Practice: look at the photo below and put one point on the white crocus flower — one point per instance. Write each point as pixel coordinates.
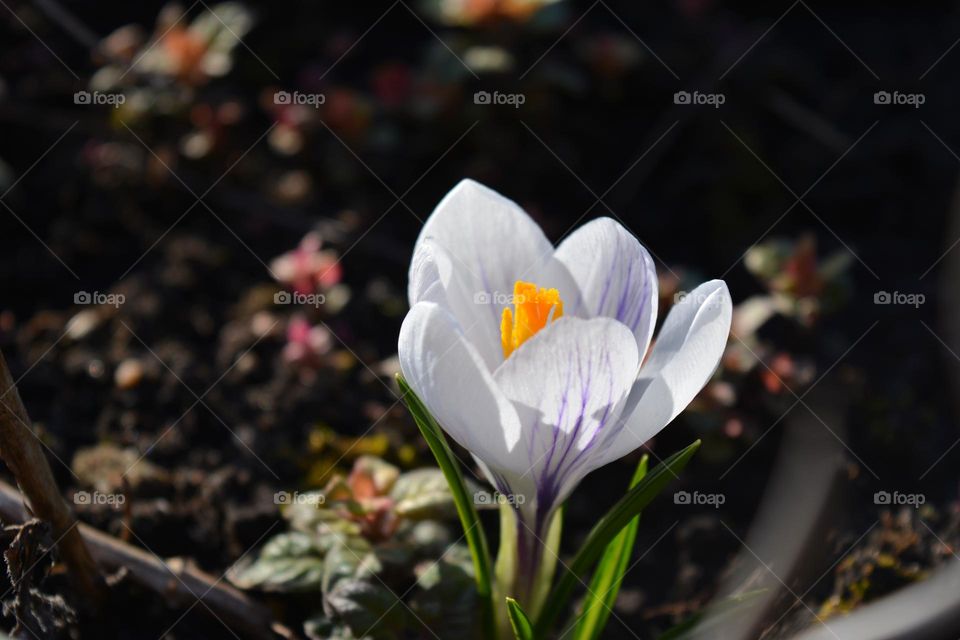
(529, 356)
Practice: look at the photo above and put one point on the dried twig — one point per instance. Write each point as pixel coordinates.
(22, 453)
(180, 585)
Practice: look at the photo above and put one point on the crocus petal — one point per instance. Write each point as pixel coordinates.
(683, 358)
(568, 384)
(449, 376)
(483, 243)
(615, 275)
(429, 269)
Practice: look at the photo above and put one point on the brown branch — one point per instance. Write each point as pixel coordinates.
(21, 451)
(179, 585)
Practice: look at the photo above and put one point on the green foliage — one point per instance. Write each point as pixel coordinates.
(605, 584)
(290, 562)
(463, 499)
(519, 622)
(361, 543)
(607, 529)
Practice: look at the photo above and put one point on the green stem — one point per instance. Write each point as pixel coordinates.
(604, 532)
(469, 518)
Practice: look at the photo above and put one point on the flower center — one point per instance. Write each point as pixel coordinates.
(534, 308)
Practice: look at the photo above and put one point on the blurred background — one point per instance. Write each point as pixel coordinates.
(208, 212)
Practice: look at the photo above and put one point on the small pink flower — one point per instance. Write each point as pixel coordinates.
(307, 268)
(306, 344)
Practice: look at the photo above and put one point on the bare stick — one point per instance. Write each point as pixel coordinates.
(223, 601)
(22, 453)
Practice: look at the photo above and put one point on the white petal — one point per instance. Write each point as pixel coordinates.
(429, 269)
(489, 243)
(615, 274)
(683, 358)
(450, 378)
(569, 384)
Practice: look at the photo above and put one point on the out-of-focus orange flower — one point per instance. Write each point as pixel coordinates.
(473, 12)
(186, 51)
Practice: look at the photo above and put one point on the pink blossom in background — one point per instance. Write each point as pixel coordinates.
(306, 343)
(306, 268)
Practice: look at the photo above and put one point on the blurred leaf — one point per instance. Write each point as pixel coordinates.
(365, 606)
(522, 628)
(354, 594)
(289, 562)
(605, 584)
(423, 494)
(429, 538)
(607, 528)
(446, 597)
(323, 628)
(472, 527)
(347, 561)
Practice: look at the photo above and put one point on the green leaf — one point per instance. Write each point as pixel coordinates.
(288, 563)
(349, 560)
(445, 600)
(366, 606)
(423, 494)
(466, 510)
(606, 530)
(522, 628)
(605, 584)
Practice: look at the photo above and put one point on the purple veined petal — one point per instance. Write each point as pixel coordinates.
(478, 244)
(568, 385)
(684, 356)
(615, 275)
